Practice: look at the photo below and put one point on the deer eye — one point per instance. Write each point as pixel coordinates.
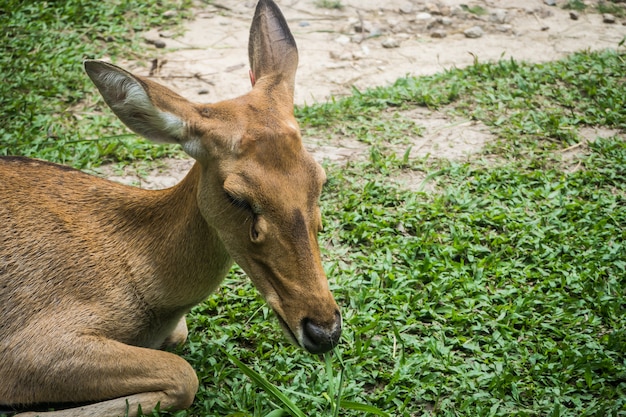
(239, 202)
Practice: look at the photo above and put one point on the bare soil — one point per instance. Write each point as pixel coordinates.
(367, 43)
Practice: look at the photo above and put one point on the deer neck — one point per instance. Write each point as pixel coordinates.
(188, 258)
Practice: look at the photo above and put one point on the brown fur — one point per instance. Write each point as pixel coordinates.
(96, 276)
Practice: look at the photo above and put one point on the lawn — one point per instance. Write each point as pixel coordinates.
(496, 289)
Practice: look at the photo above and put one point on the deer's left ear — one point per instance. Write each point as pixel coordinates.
(252, 78)
(272, 49)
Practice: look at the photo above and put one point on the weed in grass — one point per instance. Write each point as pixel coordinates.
(612, 8)
(577, 5)
(329, 4)
(333, 396)
(477, 10)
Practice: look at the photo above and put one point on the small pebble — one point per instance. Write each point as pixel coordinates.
(157, 42)
(439, 34)
(499, 16)
(375, 31)
(341, 56)
(608, 18)
(358, 38)
(203, 91)
(504, 28)
(169, 14)
(343, 40)
(166, 34)
(304, 23)
(406, 8)
(474, 32)
(424, 16)
(391, 22)
(433, 8)
(574, 15)
(362, 27)
(390, 43)
(550, 2)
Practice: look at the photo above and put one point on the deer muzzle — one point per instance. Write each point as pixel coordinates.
(320, 338)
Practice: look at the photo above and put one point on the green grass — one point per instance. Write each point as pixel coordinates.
(476, 10)
(329, 4)
(42, 47)
(577, 5)
(613, 8)
(501, 292)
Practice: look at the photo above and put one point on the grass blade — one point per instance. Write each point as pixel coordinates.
(349, 405)
(267, 387)
(278, 413)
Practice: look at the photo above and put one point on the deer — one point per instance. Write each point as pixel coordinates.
(96, 277)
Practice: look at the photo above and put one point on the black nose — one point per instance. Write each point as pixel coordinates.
(321, 339)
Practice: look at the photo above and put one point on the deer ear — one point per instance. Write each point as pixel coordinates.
(272, 49)
(146, 107)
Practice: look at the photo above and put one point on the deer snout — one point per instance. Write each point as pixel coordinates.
(320, 338)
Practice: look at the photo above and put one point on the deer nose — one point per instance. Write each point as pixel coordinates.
(321, 338)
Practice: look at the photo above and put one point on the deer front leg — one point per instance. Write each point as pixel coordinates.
(117, 378)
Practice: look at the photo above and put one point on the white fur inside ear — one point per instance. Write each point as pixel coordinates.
(173, 125)
(131, 103)
(193, 147)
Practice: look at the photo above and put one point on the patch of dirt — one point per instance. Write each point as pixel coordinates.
(442, 137)
(571, 156)
(369, 43)
(445, 137)
(414, 181)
